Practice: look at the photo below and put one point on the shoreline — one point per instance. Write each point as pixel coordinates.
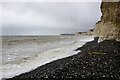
(56, 53)
(96, 61)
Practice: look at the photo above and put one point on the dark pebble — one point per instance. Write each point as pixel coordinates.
(83, 65)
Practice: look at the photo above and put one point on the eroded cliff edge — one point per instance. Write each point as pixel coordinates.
(109, 26)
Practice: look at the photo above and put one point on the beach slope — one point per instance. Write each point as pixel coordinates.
(98, 60)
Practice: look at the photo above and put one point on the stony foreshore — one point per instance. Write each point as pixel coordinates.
(95, 61)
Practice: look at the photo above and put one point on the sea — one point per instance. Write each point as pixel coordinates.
(24, 53)
(15, 48)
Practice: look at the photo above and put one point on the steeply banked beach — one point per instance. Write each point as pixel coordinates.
(94, 60)
(97, 60)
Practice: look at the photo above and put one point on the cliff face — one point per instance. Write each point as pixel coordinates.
(109, 26)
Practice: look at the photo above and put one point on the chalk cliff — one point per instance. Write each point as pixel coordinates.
(109, 26)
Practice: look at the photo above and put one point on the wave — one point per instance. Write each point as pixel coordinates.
(30, 63)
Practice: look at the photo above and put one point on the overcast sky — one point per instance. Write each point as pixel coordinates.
(48, 17)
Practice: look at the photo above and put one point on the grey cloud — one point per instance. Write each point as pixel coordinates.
(59, 17)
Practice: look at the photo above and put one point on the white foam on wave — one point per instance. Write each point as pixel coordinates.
(86, 38)
(11, 70)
